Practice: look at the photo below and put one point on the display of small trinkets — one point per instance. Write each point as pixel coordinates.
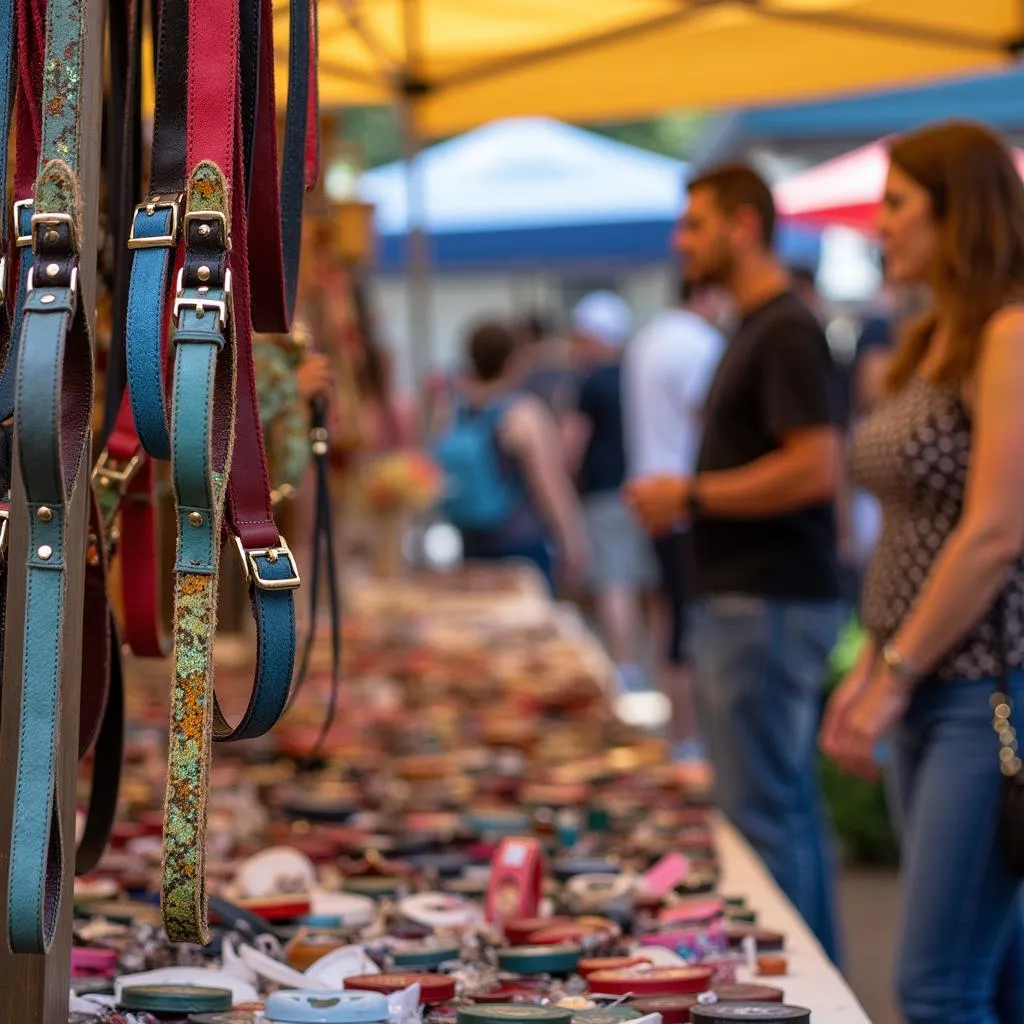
(482, 841)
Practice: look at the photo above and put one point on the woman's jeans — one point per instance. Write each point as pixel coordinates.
(759, 669)
(961, 954)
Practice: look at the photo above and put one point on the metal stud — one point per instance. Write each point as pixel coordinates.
(45, 552)
(47, 298)
(44, 514)
(195, 518)
(52, 269)
(204, 230)
(52, 237)
(203, 273)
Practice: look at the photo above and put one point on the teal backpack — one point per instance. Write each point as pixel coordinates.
(479, 495)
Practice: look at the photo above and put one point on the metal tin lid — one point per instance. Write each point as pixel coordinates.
(609, 963)
(766, 940)
(327, 1007)
(740, 1013)
(659, 981)
(180, 999)
(227, 1017)
(673, 1009)
(514, 1013)
(425, 956)
(609, 1015)
(539, 959)
(747, 993)
(519, 929)
(434, 988)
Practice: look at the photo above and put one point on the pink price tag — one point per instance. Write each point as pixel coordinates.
(666, 874)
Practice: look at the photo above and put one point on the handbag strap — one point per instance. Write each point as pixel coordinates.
(323, 561)
(53, 396)
(1010, 763)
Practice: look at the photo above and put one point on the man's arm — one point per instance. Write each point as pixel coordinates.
(803, 472)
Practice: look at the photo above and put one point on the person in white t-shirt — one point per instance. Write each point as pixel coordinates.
(667, 370)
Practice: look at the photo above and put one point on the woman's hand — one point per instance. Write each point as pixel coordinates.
(869, 717)
(849, 689)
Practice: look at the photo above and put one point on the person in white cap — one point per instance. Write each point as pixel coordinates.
(621, 562)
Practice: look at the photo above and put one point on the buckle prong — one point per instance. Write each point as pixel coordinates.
(251, 566)
(106, 472)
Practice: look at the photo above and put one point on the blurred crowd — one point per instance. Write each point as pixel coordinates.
(723, 495)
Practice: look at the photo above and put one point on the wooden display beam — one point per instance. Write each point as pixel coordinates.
(35, 989)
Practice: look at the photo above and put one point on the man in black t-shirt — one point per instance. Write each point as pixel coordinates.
(764, 541)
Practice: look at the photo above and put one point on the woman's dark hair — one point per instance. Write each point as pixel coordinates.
(490, 347)
(977, 199)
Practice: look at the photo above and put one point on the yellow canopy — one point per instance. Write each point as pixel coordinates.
(467, 61)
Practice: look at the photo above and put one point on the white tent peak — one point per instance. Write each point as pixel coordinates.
(530, 172)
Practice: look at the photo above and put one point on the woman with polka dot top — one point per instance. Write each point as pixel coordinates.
(943, 599)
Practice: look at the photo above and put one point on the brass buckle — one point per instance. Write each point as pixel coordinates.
(251, 567)
(53, 220)
(205, 215)
(149, 207)
(20, 240)
(108, 475)
(199, 301)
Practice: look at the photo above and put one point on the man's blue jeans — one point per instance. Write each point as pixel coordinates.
(760, 668)
(961, 949)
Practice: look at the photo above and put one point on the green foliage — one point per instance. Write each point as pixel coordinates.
(857, 808)
(376, 131)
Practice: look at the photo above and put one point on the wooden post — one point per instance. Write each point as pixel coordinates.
(35, 989)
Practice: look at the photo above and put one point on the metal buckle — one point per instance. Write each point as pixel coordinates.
(149, 207)
(53, 220)
(30, 282)
(199, 302)
(251, 567)
(106, 472)
(20, 240)
(205, 215)
(3, 279)
(5, 517)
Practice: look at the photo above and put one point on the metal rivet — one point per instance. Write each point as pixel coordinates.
(45, 552)
(47, 298)
(115, 535)
(203, 273)
(44, 515)
(52, 269)
(52, 237)
(195, 518)
(204, 229)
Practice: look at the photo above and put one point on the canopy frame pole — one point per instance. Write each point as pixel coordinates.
(691, 8)
(417, 252)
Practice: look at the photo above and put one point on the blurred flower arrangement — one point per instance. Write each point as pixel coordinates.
(402, 481)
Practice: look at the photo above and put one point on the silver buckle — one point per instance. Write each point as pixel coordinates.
(106, 473)
(30, 282)
(154, 203)
(5, 518)
(20, 240)
(251, 567)
(199, 302)
(52, 220)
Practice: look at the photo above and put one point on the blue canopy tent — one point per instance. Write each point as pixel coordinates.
(825, 128)
(536, 193)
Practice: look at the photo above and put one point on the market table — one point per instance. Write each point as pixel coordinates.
(813, 980)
